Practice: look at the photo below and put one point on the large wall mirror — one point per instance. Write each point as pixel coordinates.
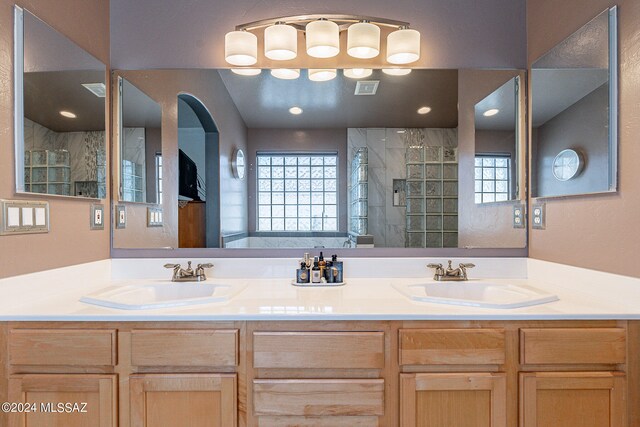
(59, 113)
(371, 158)
(575, 113)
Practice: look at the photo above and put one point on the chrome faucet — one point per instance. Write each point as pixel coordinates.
(188, 274)
(450, 274)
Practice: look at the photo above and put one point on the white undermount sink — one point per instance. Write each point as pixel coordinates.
(476, 293)
(161, 294)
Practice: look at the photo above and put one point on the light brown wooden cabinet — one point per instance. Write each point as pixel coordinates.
(453, 399)
(186, 400)
(87, 400)
(325, 374)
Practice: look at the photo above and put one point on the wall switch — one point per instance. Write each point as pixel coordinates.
(121, 216)
(97, 217)
(23, 217)
(519, 216)
(154, 217)
(538, 216)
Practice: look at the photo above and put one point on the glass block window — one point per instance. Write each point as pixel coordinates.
(492, 178)
(159, 178)
(297, 192)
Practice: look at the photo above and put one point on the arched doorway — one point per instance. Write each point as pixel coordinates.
(199, 177)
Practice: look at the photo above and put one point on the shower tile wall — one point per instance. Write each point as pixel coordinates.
(386, 149)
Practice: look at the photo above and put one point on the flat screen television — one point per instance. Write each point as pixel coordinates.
(188, 177)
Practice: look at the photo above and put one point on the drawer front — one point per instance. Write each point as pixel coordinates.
(572, 346)
(175, 347)
(319, 350)
(452, 346)
(331, 421)
(62, 347)
(352, 397)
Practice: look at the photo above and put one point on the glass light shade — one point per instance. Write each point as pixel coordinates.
(286, 73)
(358, 73)
(403, 46)
(363, 40)
(396, 71)
(280, 42)
(322, 75)
(240, 48)
(246, 71)
(323, 39)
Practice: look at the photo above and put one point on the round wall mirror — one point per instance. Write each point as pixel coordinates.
(237, 164)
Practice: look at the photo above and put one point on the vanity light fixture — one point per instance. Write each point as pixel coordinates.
(396, 71)
(491, 112)
(68, 114)
(357, 73)
(322, 38)
(241, 48)
(424, 110)
(286, 73)
(295, 110)
(246, 71)
(322, 75)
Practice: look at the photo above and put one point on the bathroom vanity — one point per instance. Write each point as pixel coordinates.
(359, 355)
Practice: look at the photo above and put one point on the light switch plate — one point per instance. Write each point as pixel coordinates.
(23, 217)
(154, 217)
(97, 217)
(121, 216)
(538, 216)
(519, 216)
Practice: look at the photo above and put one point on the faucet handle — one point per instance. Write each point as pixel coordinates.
(467, 265)
(172, 266)
(206, 265)
(434, 265)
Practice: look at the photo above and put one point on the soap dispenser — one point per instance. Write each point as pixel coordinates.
(315, 273)
(302, 274)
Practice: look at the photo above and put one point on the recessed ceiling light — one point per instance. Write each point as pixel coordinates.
(358, 73)
(295, 110)
(246, 71)
(401, 131)
(424, 110)
(491, 112)
(68, 114)
(396, 71)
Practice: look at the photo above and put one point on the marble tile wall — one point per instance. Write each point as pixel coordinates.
(386, 149)
(287, 242)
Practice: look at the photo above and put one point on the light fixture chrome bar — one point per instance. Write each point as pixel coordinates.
(298, 21)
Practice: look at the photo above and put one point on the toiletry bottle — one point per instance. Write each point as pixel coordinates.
(328, 273)
(307, 259)
(302, 274)
(322, 264)
(339, 278)
(315, 273)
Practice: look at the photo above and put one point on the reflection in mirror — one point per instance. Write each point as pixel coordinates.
(360, 163)
(496, 140)
(140, 145)
(574, 118)
(60, 113)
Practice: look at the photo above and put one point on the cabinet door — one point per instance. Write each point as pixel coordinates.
(185, 400)
(585, 399)
(65, 400)
(453, 400)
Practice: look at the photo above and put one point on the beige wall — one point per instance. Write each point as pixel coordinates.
(489, 225)
(600, 232)
(164, 86)
(70, 240)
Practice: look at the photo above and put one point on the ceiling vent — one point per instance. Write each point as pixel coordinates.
(98, 89)
(367, 87)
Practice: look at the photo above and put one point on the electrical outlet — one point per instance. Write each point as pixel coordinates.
(97, 217)
(519, 216)
(154, 217)
(23, 217)
(538, 216)
(121, 216)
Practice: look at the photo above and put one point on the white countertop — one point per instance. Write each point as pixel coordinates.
(584, 294)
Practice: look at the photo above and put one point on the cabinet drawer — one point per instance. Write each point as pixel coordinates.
(452, 347)
(320, 350)
(176, 347)
(62, 347)
(572, 346)
(349, 397)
